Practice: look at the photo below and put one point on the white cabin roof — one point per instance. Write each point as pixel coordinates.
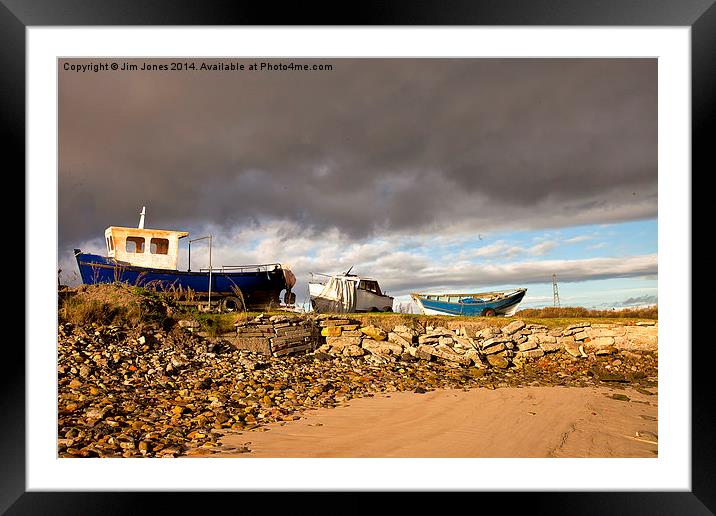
(146, 232)
(152, 248)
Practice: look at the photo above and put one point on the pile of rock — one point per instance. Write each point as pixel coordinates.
(277, 335)
(512, 345)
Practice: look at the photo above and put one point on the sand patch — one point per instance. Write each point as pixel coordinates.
(506, 422)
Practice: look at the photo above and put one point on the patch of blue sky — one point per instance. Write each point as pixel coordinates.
(608, 293)
(574, 243)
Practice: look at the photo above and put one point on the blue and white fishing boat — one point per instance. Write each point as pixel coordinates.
(148, 257)
(487, 304)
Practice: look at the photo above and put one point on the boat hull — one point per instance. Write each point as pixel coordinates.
(259, 288)
(506, 306)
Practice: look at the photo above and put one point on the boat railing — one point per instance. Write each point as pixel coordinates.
(323, 277)
(265, 267)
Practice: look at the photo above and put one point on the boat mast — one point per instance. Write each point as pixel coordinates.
(141, 218)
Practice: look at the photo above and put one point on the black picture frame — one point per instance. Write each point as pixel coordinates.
(16, 15)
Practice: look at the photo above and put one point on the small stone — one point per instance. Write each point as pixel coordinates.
(423, 352)
(571, 347)
(475, 357)
(353, 351)
(493, 348)
(525, 346)
(513, 327)
(96, 412)
(487, 333)
(606, 350)
(407, 357)
(397, 339)
(339, 343)
(382, 347)
(578, 325)
(533, 353)
(374, 332)
(498, 361)
(611, 377)
(428, 339)
(331, 331)
(445, 341)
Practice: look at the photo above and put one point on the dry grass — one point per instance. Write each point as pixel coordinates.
(173, 292)
(240, 296)
(216, 324)
(112, 303)
(577, 311)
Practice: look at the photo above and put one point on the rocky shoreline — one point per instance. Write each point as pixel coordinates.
(154, 392)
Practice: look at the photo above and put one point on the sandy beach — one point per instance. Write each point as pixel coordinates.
(504, 422)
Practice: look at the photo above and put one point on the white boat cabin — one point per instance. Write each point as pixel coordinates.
(152, 248)
(347, 293)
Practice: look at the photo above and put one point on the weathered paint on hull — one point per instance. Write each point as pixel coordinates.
(258, 288)
(505, 307)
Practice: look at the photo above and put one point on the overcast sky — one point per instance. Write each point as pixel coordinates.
(426, 173)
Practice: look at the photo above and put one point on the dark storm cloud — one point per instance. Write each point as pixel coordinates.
(390, 144)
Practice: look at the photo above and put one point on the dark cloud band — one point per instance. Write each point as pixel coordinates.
(371, 145)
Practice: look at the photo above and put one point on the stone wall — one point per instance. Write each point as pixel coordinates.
(277, 335)
(511, 345)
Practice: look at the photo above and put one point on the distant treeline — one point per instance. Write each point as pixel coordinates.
(651, 312)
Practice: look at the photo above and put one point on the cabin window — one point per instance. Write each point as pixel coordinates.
(109, 247)
(159, 246)
(135, 245)
(110, 239)
(370, 286)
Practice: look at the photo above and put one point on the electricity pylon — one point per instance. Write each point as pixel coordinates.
(555, 291)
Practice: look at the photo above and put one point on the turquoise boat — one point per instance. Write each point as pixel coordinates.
(487, 304)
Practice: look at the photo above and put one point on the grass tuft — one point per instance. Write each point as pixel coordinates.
(113, 303)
